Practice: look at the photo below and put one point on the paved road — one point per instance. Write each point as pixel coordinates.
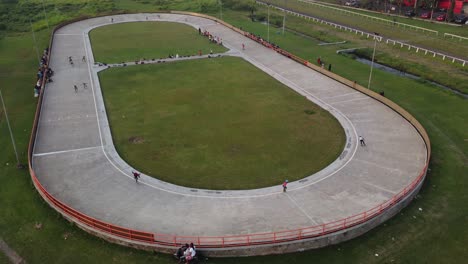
(76, 161)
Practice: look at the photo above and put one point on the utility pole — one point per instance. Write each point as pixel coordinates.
(35, 43)
(18, 164)
(372, 62)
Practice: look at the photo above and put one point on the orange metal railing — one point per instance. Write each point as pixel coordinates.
(239, 240)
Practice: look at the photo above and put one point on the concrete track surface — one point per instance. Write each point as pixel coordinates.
(75, 160)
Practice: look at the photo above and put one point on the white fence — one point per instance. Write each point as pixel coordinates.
(373, 17)
(321, 21)
(455, 36)
(378, 38)
(426, 51)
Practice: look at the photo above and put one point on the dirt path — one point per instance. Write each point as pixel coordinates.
(10, 253)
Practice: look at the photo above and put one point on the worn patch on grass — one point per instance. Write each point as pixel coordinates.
(136, 140)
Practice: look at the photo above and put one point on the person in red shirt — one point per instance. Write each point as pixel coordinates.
(285, 183)
(136, 175)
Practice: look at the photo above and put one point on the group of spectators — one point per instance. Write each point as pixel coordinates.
(260, 40)
(41, 71)
(186, 253)
(212, 38)
(277, 48)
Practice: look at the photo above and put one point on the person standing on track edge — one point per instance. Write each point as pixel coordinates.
(285, 183)
(136, 175)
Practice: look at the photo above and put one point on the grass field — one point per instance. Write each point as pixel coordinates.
(443, 72)
(197, 123)
(427, 40)
(148, 40)
(437, 234)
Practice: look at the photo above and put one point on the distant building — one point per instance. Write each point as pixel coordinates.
(461, 6)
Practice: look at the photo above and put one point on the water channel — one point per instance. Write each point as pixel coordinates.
(408, 75)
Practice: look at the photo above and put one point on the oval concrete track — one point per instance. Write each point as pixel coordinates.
(75, 160)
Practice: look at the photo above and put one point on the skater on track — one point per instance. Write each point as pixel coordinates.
(361, 141)
(285, 183)
(136, 175)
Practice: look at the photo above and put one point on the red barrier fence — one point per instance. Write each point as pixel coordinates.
(239, 240)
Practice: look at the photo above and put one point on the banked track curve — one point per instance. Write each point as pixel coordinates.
(76, 169)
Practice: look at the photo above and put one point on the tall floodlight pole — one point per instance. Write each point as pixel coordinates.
(35, 44)
(221, 9)
(372, 62)
(45, 15)
(268, 23)
(11, 133)
(284, 15)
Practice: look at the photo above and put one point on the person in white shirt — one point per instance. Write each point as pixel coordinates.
(190, 253)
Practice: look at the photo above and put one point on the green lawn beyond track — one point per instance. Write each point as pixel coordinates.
(216, 123)
(136, 40)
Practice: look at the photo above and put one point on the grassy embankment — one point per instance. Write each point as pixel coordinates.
(434, 235)
(411, 36)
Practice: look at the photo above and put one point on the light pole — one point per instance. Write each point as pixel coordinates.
(18, 164)
(268, 23)
(221, 9)
(284, 16)
(372, 62)
(35, 44)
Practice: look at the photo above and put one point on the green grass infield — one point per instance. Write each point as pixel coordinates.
(216, 124)
(150, 40)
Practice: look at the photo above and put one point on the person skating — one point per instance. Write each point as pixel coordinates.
(361, 141)
(136, 175)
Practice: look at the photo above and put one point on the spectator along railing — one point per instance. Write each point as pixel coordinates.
(379, 38)
(137, 237)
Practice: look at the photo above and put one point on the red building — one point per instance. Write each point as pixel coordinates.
(461, 6)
